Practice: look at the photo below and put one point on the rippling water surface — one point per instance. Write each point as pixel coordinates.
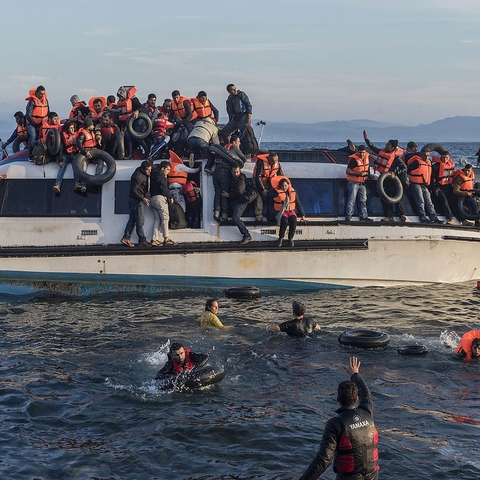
(78, 400)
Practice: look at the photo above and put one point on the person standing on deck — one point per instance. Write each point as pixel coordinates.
(239, 111)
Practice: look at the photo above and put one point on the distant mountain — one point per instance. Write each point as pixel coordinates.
(453, 129)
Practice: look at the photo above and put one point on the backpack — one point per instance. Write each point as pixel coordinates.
(177, 216)
(40, 154)
(248, 141)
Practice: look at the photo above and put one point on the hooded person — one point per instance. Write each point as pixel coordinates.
(300, 326)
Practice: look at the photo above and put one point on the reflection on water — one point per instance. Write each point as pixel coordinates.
(79, 400)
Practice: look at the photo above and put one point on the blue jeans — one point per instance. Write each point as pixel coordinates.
(66, 160)
(423, 200)
(237, 212)
(200, 147)
(357, 193)
(136, 218)
(32, 138)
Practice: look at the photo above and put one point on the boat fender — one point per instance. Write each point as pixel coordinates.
(229, 155)
(248, 293)
(86, 177)
(364, 338)
(140, 127)
(413, 350)
(53, 140)
(465, 211)
(434, 147)
(17, 143)
(381, 188)
(120, 137)
(197, 378)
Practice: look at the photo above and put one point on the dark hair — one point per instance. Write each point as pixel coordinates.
(229, 86)
(298, 308)
(67, 124)
(234, 138)
(175, 346)
(175, 93)
(209, 303)
(111, 99)
(40, 87)
(18, 114)
(347, 393)
(272, 156)
(52, 114)
(151, 95)
(145, 164)
(468, 166)
(361, 148)
(201, 93)
(164, 163)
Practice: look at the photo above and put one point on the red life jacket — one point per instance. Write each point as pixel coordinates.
(189, 192)
(363, 165)
(188, 363)
(160, 126)
(357, 450)
(108, 131)
(179, 109)
(125, 106)
(422, 174)
(269, 171)
(445, 171)
(203, 110)
(89, 140)
(70, 143)
(73, 112)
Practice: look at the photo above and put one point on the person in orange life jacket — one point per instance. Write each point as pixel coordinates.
(239, 196)
(266, 167)
(193, 199)
(300, 326)
(20, 130)
(203, 134)
(183, 113)
(177, 178)
(166, 109)
(96, 106)
(37, 109)
(139, 187)
(106, 133)
(69, 151)
(286, 205)
(350, 438)
(79, 110)
(52, 121)
(204, 108)
(388, 161)
(239, 111)
(469, 346)
(463, 186)
(86, 141)
(419, 170)
(443, 169)
(181, 359)
(358, 169)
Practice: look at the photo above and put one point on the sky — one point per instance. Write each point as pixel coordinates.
(407, 62)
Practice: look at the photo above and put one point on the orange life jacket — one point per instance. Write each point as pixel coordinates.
(467, 180)
(73, 112)
(47, 126)
(70, 142)
(465, 345)
(125, 106)
(21, 130)
(422, 174)
(89, 141)
(269, 171)
(363, 165)
(179, 110)
(279, 199)
(203, 110)
(93, 114)
(384, 160)
(175, 176)
(445, 171)
(40, 107)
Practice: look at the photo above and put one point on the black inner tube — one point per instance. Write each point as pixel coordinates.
(465, 211)
(364, 338)
(242, 292)
(413, 350)
(85, 177)
(395, 181)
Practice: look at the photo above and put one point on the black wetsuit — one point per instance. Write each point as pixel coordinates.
(298, 327)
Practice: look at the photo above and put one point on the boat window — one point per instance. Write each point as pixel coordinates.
(317, 196)
(122, 192)
(35, 198)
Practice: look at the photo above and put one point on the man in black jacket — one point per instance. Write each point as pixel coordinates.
(181, 359)
(139, 187)
(350, 438)
(239, 110)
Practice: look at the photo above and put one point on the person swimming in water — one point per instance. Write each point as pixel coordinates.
(300, 326)
(469, 346)
(209, 317)
(181, 359)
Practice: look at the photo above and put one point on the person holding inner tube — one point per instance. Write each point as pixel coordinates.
(443, 169)
(209, 316)
(389, 160)
(463, 186)
(358, 169)
(350, 438)
(69, 151)
(300, 326)
(419, 169)
(20, 131)
(52, 122)
(469, 345)
(86, 141)
(181, 359)
(286, 205)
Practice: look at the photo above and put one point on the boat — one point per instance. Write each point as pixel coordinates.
(70, 244)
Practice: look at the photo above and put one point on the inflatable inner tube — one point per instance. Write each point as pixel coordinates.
(229, 155)
(434, 147)
(80, 161)
(413, 350)
(196, 378)
(465, 211)
(364, 338)
(140, 127)
(53, 140)
(381, 188)
(243, 292)
(17, 143)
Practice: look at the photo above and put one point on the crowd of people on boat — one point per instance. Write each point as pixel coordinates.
(431, 183)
